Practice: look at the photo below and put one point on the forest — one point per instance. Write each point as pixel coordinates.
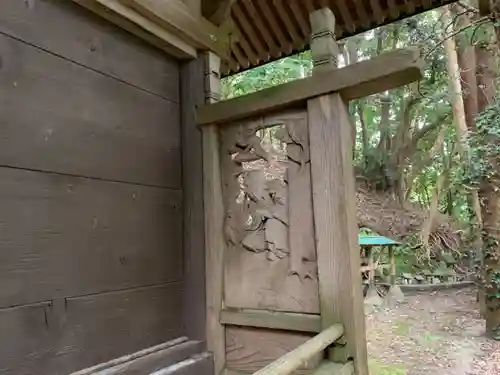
(426, 155)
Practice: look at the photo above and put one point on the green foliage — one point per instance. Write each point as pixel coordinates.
(484, 148)
(377, 368)
(402, 327)
(417, 108)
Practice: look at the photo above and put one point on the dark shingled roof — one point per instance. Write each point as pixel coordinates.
(266, 30)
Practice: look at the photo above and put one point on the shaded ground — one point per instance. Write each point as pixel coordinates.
(433, 333)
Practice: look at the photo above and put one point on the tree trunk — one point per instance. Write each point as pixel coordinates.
(463, 88)
(455, 86)
(466, 57)
(433, 211)
(489, 190)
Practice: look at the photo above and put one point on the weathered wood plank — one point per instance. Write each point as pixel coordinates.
(64, 236)
(270, 319)
(61, 117)
(62, 336)
(154, 361)
(92, 42)
(130, 20)
(131, 357)
(214, 222)
(292, 360)
(354, 81)
(334, 205)
(192, 94)
(251, 349)
(197, 365)
(175, 16)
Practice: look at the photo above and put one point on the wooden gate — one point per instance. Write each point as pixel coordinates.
(281, 234)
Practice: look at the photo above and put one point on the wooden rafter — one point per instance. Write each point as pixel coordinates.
(216, 11)
(258, 21)
(377, 10)
(246, 33)
(175, 16)
(285, 45)
(288, 23)
(251, 36)
(346, 16)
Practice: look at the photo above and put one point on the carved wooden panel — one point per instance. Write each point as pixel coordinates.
(250, 349)
(270, 262)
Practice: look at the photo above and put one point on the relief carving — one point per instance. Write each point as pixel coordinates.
(265, 168)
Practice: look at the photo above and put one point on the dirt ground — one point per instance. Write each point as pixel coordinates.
(431, 333)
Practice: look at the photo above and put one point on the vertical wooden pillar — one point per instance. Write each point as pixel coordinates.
(334, 204)
(371, 271)
(194, 304)
(393, 265)
(214, 213)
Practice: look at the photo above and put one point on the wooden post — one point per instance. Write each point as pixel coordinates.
(393, 265)
(214, 213)
(192, 95)
(334, 204)
(324, 47)
(371, 270)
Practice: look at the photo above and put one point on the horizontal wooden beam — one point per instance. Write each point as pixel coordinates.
(355, 81)
(131, 21)
(176, 17)
(326, 368)
(131, 357)
(274, 320)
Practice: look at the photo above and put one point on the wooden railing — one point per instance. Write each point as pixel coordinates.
(294, 359)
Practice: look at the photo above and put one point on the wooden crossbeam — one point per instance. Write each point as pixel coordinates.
(273, 320)
(385, 72)
(175, 16)
(130, 20)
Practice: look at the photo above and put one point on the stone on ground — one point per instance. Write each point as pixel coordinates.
(394, 296)
(372, 298)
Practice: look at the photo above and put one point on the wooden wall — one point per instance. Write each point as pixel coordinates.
(91, 263)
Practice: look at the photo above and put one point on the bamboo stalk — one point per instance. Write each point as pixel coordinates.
(297, 357)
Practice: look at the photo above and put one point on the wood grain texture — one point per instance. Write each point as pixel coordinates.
(131, 21)
(62, 336)
(192, 94)
(131, 357)
(65, 236)
(387, 71)
(60, 117)
(215, 245)
(271, 319)
(333, 187)
(92, 42)
(197, 365)
(294, 359)
(155, 361)
(252, 280)
(250, 349)
(175, 16)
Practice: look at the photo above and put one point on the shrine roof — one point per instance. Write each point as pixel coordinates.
(262, 31)
(376, 241)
